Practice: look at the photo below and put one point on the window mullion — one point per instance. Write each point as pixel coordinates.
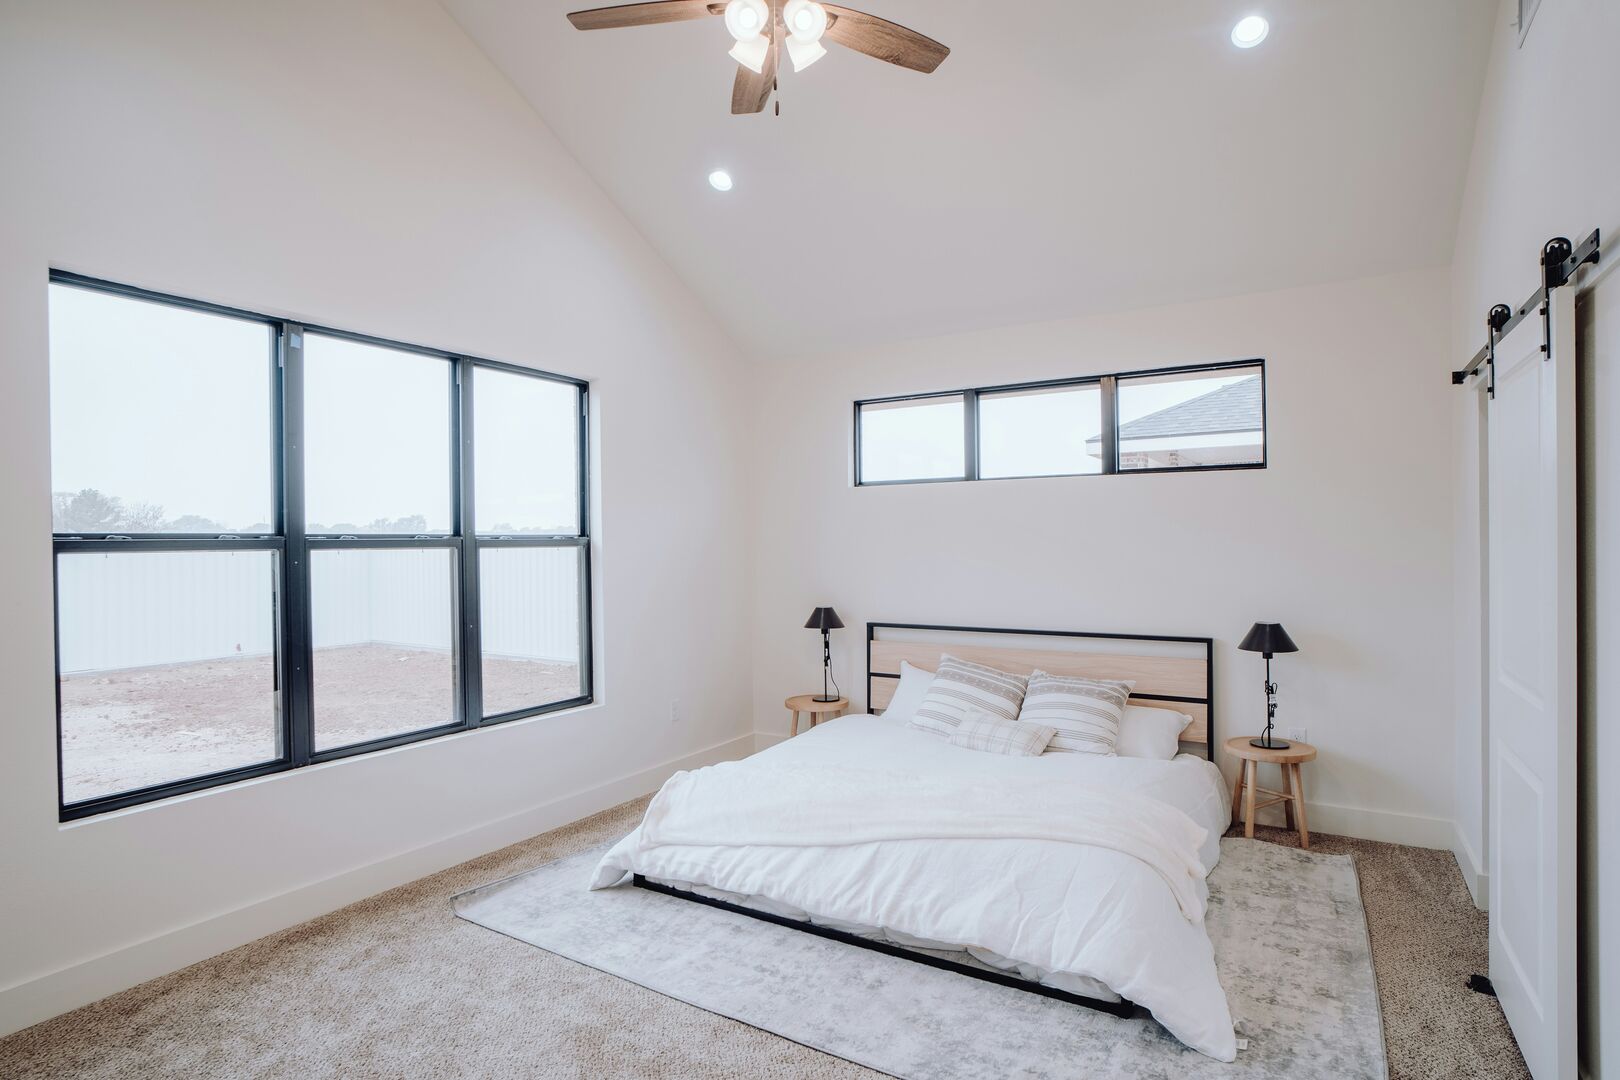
(583, 469)
(470, 668)
(1110, 424)
(295, 610)
(587, 674)
(970, 424)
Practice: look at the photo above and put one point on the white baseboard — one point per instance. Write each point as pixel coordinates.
(34, 1000)
(1388, 826)
(1477, 879)
(764, 740)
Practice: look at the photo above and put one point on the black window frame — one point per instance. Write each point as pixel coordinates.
(294, 545)
(1109, 386)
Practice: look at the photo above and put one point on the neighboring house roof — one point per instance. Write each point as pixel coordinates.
(1231, 408)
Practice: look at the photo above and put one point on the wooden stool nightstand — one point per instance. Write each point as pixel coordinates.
(1292, 796)
(816, 710)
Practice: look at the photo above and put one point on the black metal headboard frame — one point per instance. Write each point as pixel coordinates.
(1208, 644)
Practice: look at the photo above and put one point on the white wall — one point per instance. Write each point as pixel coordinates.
(358, 165)
(1546, 163)
(1344, 538)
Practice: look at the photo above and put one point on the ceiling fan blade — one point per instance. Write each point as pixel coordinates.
(663, 11)
(884, 40)
(751, 91)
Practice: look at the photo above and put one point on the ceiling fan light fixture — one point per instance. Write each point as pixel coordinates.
(761, 29)
(804, 53)
(805, 20)
(751, 54)
(747, 19)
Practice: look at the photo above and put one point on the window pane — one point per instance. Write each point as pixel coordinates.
(529, 610)
(377, 439)
(384, 625)
(168, 667)
(913, 440)
(1197, 418)
(525, 453)
(160, 418)
(1049, 432)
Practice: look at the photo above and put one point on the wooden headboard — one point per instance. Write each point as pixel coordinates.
(1170, 672)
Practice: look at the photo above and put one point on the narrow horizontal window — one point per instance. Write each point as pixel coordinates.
(918, 439)
(1054, 431)
(1205, 417)
(1192, 419)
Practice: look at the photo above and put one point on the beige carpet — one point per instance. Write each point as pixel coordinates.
(397, 986)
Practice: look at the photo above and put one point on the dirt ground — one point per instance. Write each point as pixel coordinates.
(129, 729)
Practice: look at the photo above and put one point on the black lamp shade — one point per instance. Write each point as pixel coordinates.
(824, 618)
(1268, 638)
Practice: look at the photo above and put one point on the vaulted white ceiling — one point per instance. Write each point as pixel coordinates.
(1071, 156)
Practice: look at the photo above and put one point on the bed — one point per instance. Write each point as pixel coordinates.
(1072, 875)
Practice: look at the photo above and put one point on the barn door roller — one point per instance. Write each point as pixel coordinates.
(1559, 261)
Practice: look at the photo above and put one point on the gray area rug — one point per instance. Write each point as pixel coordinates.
(1288, 927)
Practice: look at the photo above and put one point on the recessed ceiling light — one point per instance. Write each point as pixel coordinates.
(1250, 31)
(720, 180)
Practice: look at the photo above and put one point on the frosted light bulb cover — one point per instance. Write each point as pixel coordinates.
(804, 53)
(751, 54)
(746, 19)
(805, 20)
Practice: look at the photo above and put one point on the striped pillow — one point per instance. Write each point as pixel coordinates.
(981, 731)
(1085, 712)
(960, 685)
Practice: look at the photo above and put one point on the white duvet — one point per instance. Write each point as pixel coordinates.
(1074, 868)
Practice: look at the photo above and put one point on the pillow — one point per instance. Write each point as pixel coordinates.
(914, 683)
(1146, 732)
(1086, 712)
(960, 685)
(981, 731)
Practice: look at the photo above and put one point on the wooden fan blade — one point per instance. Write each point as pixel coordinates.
(663, 11)
(883, 40)
(750, 92)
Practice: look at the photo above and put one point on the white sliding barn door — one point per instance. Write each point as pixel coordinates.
(1532, 625)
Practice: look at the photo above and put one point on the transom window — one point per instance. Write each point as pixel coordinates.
(277, 545)
(1207, 417)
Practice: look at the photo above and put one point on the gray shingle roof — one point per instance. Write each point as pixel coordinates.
(1231, 408)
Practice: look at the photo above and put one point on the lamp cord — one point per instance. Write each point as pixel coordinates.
(826, 663)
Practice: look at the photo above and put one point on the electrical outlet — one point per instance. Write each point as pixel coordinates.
(675, 711)
(1299, 734)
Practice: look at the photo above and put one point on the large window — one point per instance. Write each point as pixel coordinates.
(277, 545)
(1208, 417)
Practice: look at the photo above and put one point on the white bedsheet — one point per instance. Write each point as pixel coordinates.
(1088, 911)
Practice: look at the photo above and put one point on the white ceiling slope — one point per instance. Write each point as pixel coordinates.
(1071, 156)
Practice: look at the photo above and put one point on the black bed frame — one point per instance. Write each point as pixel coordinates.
(1116, 1008)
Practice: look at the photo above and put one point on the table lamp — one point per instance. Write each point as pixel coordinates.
(825, 619)
(1268, 638)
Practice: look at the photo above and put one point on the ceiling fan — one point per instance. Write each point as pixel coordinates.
(762, 28)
